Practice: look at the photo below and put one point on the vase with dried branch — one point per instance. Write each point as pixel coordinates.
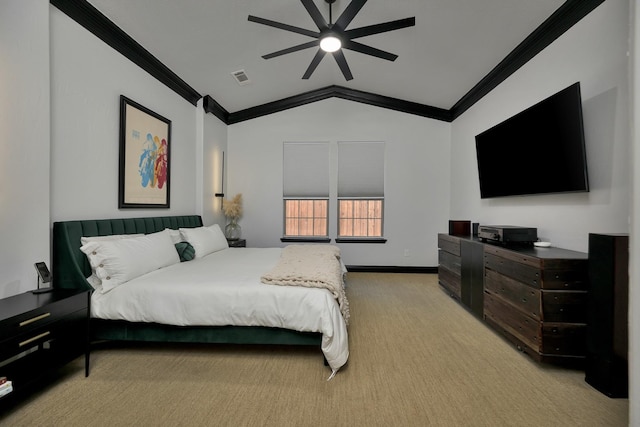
(233, 211)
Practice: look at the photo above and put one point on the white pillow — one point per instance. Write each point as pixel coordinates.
(118, 261)
(84, 239)
(175, 235)
(94, 280)
(205, 240)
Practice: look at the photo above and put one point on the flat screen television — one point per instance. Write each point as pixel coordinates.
(539, 150)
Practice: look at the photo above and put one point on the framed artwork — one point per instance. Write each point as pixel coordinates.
(145, 162)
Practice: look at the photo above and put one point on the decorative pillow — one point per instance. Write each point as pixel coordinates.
(118, 261)
(94, 280)
(186, 251)
(205, 240)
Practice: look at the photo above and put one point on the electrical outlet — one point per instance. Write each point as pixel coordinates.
(407, 252)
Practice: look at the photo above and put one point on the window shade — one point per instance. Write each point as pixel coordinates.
(360, 169)
(306, 169)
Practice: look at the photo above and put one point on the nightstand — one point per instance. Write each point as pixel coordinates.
(237, 243)
(39, 333)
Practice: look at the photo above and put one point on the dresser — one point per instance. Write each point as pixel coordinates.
(535, 297)
(40, 333)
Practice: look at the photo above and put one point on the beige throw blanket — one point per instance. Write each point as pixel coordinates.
(312, 266)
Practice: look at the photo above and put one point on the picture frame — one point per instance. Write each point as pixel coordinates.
(145, 157)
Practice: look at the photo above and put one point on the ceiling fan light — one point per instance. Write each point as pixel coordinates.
(330, 44)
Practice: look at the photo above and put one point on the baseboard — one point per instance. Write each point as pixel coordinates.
(391, 269)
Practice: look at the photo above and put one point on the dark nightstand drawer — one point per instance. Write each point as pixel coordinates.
(238, 243)
(44, 309)
(65, 328)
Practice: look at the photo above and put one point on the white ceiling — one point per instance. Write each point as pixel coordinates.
(454, 44)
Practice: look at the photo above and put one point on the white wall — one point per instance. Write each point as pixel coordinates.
(24, 142)
(87, 79)
(416, 175)
(215, 143)
(593, 52)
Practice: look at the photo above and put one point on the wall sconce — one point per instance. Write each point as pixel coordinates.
(221, 194)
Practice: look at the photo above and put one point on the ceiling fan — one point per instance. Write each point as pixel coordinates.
(332, 38)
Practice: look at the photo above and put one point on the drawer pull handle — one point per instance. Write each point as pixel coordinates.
(34, 319)
(30, 340)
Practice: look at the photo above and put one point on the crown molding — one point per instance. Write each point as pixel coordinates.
(565, 17)
(343, 93)
(557, 24)
(99, 25)
(211, 106)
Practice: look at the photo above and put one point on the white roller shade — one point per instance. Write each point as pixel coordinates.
(306, 169)
(361, 169)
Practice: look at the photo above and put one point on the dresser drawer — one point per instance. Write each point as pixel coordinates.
(448, 243)
(451, 262)
(564, 339)
(450, 281)
(513, 256)
(567, 280)
(521, 272)
(523, 297)
(564, 306)
(27, 322)
(512, 321)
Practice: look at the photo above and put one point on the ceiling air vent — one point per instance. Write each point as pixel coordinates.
(241, 77)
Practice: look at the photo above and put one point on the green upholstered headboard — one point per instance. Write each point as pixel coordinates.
(70, 266)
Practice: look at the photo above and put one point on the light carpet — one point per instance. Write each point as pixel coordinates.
(417, 359)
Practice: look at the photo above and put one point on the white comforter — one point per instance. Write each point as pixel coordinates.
(224, 288)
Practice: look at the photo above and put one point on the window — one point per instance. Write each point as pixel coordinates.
(306, 190)
(360, 190)
(306, 218)
(360, 218)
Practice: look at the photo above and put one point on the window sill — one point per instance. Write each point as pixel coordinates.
(361, 240)
(305, 239)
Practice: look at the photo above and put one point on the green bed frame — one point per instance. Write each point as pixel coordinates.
(70, 269)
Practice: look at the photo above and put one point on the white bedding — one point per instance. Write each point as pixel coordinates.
(224, 288)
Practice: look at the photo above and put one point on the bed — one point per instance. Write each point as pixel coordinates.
(166, 304)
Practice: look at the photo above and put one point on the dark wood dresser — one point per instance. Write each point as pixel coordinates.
(534, 297)
(41, 332)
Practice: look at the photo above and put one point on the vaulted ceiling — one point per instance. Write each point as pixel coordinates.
(456, 52)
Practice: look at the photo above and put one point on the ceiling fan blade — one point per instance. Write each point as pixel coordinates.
(342, 63)
(285, 27)
(380, 28)
(292, 49)
(314, 63)
(317, 17)
(349, 13)
(368, 50)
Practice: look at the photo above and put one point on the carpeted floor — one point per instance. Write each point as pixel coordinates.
(417, 359)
